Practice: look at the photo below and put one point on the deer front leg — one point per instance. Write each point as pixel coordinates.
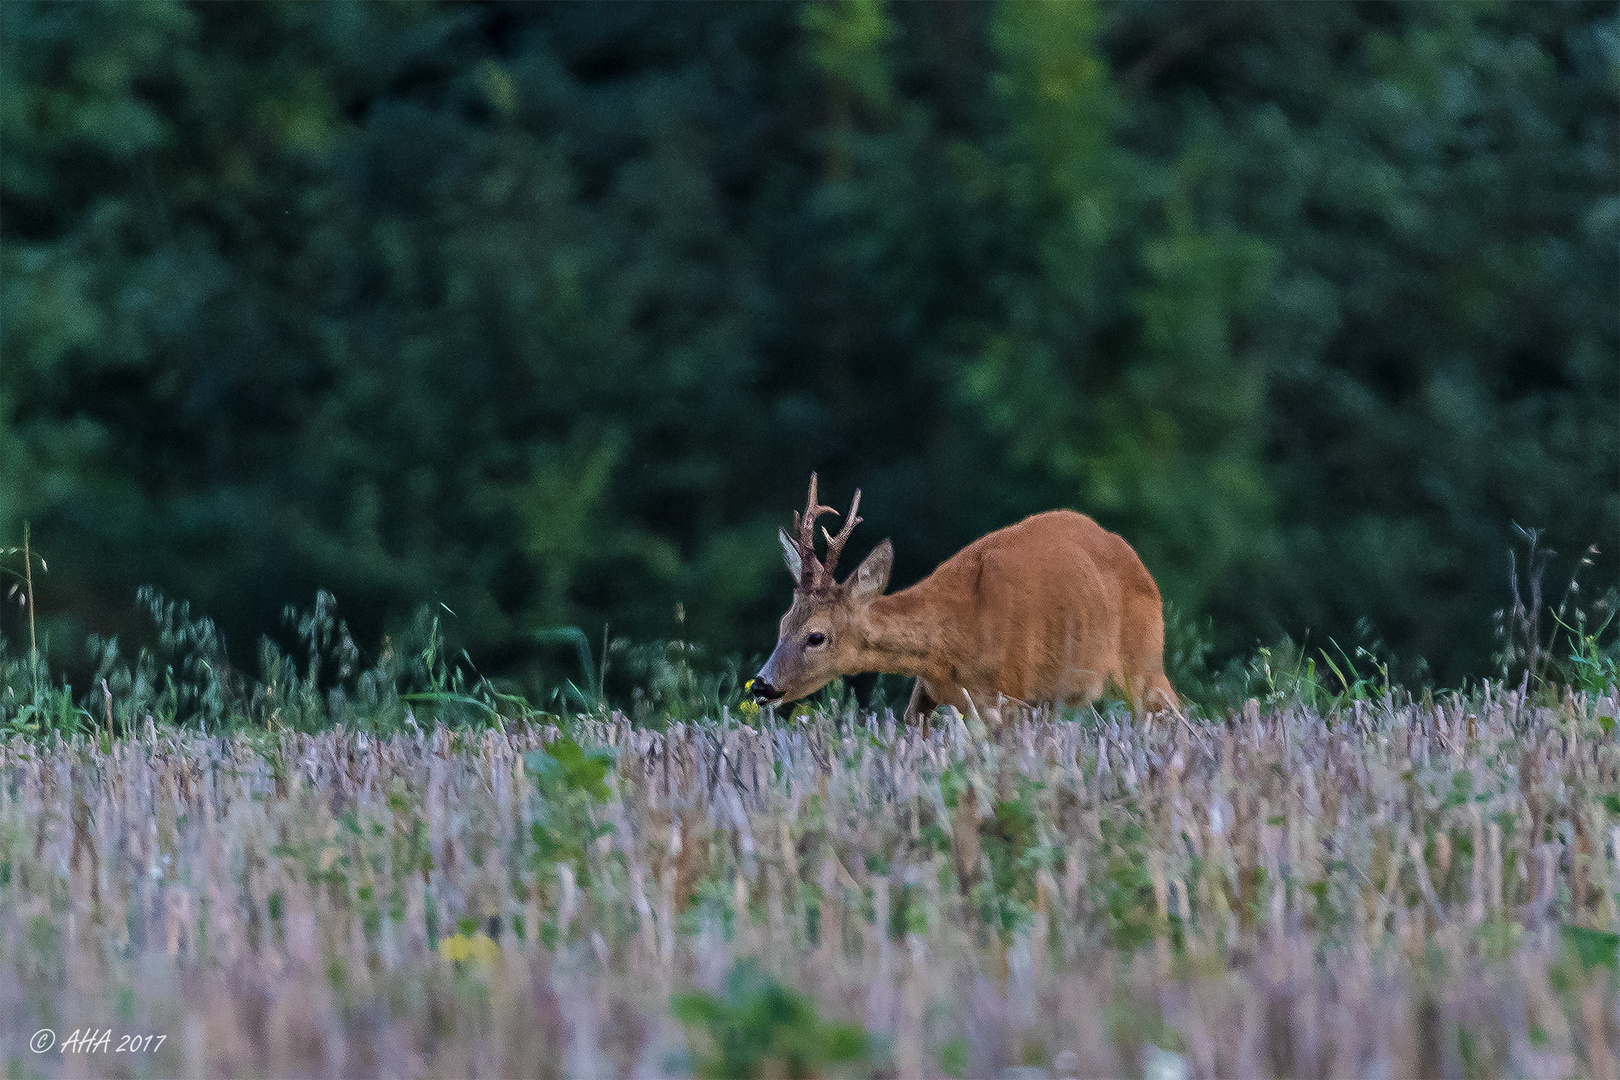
(921, 706)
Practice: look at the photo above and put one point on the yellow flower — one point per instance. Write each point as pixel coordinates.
(463, 947)
(748, 708)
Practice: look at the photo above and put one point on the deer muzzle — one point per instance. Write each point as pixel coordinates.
(763, 691)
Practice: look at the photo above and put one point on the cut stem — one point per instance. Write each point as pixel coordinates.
(33, 639)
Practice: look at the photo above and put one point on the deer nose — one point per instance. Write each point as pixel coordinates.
(763, 691)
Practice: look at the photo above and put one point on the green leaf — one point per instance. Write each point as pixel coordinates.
(1593, 948)
(564, 767)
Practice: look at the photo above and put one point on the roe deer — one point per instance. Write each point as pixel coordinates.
(1052, 610)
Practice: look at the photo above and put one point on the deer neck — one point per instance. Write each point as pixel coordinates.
(903, 634)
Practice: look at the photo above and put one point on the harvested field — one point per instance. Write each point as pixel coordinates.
(1397, 889)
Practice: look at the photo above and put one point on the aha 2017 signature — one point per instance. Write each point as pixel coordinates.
(95, 1041)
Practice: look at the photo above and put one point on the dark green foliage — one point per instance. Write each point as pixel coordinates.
(571, 782)
(1127, 885)
(545, 312)
(755, 1027)
(563, 770)
(184, 678)
(1010, 840)
(1593, 948)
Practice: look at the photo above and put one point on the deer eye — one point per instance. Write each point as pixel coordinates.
(815, 640)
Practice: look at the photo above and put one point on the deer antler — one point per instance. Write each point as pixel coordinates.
(805, 525)
(835, 544)
(814, 574)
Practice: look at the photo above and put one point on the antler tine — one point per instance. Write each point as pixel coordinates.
(835, 544)
(805, 525)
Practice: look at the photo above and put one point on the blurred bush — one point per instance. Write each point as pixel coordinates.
(545, 312)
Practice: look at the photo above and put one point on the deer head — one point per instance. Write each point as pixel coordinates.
(823, 633)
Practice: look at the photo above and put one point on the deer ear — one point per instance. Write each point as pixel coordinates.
(872, 576)
(790, 552)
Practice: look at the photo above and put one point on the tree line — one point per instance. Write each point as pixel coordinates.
(545, 312)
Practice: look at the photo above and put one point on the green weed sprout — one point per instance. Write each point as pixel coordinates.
(755, 1027)
(571, 782)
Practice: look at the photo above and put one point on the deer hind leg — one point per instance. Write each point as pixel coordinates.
(1146, 696)
(1142, 654)
(1161, 695)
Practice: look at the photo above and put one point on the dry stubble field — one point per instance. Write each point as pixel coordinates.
(1396, 889)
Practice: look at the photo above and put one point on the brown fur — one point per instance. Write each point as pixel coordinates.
(1052, 610)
